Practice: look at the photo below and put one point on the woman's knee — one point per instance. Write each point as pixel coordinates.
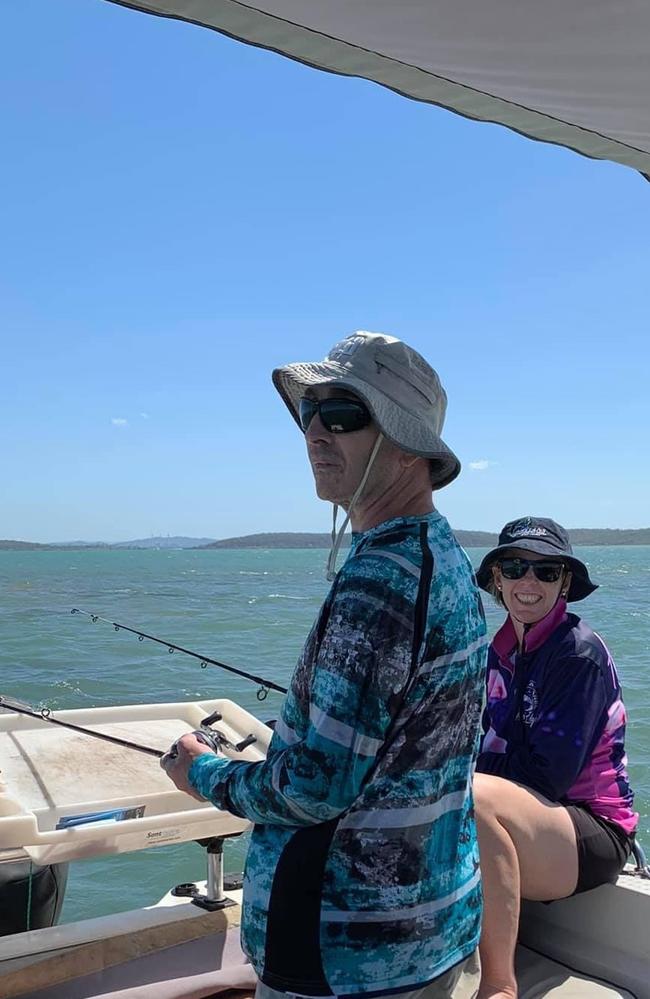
(487, 792)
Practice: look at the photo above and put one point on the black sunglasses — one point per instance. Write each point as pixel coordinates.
(339, 416)
(516, 568)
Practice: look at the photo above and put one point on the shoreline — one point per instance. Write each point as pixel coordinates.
(587, 537)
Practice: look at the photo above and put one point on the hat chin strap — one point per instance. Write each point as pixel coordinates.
(337, 539)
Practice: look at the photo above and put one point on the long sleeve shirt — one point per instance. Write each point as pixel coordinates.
(554, 719)
(362, 874)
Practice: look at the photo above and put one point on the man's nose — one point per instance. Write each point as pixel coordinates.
(316, 430)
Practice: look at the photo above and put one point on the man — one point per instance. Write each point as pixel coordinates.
(362, 875)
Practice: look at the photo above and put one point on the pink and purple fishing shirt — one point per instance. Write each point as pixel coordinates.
(554, 719)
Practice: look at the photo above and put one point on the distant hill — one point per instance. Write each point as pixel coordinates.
(468, 539)
(166, 542)
(609, 536)
(275, 540)
(292, 539)
(70, 546)
(476, 539)
(78, 544)
(140, 543)
(20, 545)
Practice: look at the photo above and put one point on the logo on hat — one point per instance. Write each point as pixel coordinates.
(526, 529)
(345, 348)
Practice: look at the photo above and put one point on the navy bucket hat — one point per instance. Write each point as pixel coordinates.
(542, 537)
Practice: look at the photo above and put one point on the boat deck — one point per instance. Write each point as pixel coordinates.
(594, 946)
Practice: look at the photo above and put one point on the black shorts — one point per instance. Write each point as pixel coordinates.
(603, 848)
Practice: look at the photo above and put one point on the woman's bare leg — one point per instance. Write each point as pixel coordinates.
(528, 850)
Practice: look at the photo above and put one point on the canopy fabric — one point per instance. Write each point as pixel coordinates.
(571, 72)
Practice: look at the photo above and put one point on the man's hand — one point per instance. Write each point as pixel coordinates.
(179, 758)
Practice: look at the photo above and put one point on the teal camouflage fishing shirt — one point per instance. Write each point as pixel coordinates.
(362, 873)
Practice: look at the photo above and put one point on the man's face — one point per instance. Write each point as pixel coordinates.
(338, 460)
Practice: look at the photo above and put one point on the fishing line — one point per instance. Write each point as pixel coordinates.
(264, 685)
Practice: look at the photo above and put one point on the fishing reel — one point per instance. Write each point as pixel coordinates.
(209, 737)
(216, 740)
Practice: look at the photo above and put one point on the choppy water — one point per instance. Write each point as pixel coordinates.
(249, 608)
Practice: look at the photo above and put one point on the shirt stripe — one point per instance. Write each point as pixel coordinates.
(455, 657)
(409, 912)
(341, 733)
(402, 818)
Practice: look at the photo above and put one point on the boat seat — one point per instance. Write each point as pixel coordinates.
(539, 976)
(600, 936)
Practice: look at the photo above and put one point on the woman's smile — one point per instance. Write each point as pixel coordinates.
(527, 598)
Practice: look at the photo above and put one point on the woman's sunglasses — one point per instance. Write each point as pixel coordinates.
(516, 568)
(339, 416)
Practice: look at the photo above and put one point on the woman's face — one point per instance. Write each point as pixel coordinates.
(529, 599)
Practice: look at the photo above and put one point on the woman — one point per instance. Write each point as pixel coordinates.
(552, 796)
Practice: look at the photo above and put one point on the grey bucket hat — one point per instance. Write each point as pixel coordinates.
(402, 392)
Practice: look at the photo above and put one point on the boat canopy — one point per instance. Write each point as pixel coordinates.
(575, 73)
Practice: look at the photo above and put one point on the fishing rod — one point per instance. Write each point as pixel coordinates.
(264, 685)
(45, 714)
(212, 737)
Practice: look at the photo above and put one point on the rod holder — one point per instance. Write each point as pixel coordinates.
(214, 897)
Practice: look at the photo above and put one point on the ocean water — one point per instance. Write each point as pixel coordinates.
(250, 608)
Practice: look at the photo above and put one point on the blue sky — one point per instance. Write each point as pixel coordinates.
(181, 213)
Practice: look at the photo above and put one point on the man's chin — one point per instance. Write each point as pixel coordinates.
(329, 495)
(328, 492)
